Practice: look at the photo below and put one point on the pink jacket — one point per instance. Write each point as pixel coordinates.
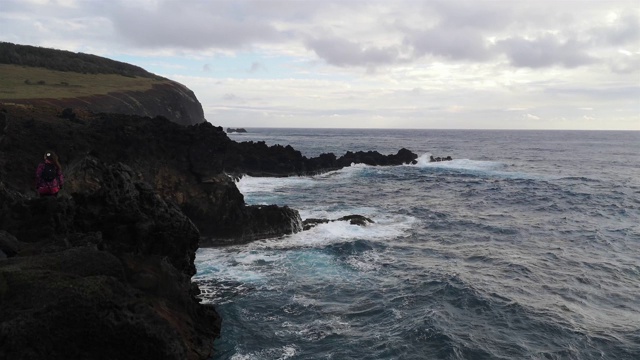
(51, 187)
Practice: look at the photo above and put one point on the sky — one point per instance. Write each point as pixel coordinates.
(413, 64)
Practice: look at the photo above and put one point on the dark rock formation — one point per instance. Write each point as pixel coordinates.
(189, 166)
(103, 274)
(185, 165)
(258, 159)
(238, 130)
(255, 222)
(352, 219)
(438, 159)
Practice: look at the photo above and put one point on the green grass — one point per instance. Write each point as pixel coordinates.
(45, 84)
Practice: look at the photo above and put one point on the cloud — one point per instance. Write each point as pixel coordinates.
(624, 30)
(545, 51)
(230, 97)
(625, 62)
(479, 15)
(450, 43)
(191, 24)
(341, 52)
(453, 61)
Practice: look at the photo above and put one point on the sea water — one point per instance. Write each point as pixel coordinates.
(525, 246)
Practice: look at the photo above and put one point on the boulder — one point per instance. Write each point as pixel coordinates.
(9, 245)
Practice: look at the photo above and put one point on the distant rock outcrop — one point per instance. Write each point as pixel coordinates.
(359, 220)
(438, 159)
(258, 159)
(238, 130)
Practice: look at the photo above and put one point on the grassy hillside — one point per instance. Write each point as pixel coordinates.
(20, 82)
(43, 77)
(61, 60)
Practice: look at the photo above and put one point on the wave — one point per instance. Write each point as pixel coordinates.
(580, 179)
(459, 164)
(249, 184)
(385, 227)
(475, 168)
(281, 352)
(268, 190)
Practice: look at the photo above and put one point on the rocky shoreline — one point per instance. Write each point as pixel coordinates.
(104, 270)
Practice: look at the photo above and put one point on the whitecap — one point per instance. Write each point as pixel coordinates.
(248, 184)
(365, 262)
(280, 353)
(318, 329)
(386, 227)
(477, 167)
(460, 164)
(231, 265)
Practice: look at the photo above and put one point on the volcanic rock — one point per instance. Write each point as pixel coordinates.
(352, 219)
(101, 274)
(193, 167)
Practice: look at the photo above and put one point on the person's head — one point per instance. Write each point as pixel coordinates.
(50, 155)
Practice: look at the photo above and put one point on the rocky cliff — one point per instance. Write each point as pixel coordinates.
(189, 166)
(168, 99)
(48, 77)
(101, 274)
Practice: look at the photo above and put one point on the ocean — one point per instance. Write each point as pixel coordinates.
(525, 246)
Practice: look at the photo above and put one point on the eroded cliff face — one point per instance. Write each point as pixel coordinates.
(168, 99)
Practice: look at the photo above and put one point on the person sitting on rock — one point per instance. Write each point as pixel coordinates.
(49, 178)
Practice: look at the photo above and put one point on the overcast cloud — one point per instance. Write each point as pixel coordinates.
(411, 64)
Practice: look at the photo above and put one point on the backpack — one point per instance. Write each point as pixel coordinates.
(49, 172)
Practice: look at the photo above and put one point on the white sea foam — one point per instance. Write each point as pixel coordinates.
(365, 262)
(344, 173)
(318, 329)
(462, 164)
(249, 184)
(233, 265)
(280, 353)
(491, 168)
(385, 227)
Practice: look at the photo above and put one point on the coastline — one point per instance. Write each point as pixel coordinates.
(141, 195)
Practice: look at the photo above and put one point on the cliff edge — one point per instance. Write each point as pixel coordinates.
(48, 77)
